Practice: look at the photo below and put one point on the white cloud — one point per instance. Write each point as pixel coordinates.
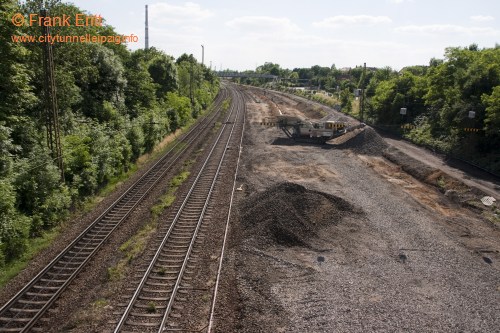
(263, 24)
(174, 14)
(399, 1)
(445, 29)
(482, 18)
(340, 20)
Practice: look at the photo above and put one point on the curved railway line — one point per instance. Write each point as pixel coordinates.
(158, 299)
(28, 306)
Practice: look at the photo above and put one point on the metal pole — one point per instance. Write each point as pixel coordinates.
(202, 55)
(363, 93)
(146, 39)
(191, 84)
(52, 119)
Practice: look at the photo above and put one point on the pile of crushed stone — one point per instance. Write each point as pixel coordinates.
(288, 214)
(365, 142)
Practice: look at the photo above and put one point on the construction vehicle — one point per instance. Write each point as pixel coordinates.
(317, 131)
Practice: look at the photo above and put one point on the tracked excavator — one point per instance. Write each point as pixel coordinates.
(300, 129)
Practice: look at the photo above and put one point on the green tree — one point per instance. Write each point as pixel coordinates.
(16, 91)
(140, 93)
(181, 105)
(106, 83)
(492, 121)
(39, 190)
(163, 72)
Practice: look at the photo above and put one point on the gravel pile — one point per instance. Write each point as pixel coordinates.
(288, 214)
(366, 142)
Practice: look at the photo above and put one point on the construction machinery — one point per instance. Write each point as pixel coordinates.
(317, 131)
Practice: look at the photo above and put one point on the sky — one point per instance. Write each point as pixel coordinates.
(241, 35)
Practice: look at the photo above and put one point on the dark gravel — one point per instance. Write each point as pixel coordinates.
(364, 141)
(399, 267)
(288, 214)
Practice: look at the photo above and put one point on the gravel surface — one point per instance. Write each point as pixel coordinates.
(470, 176)
(403, 258)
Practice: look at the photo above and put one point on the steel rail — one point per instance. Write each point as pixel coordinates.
(226, 233)
(202, 172)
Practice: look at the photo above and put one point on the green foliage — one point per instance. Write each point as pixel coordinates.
(492, 104)
(140, 91)
(164, 74)
(181, 106)
(226, 104)
(135, 137)
(13, 226)
(80, 171)
(346, 101)
(107, 83)
(151, 307)
(40, 193)
(113, 105)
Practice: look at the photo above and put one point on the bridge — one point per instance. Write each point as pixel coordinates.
(250, 75)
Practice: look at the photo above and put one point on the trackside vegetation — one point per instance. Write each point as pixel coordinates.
(114, 106)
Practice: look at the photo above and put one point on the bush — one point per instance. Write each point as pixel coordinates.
(13, 226)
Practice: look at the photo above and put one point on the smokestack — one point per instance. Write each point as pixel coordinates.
(146, 39)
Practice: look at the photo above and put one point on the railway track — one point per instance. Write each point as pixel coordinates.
(156, 302)
(27, 307)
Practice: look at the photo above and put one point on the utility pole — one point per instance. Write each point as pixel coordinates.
(146, 39)
(51, 109)
(363, 93)
(191, 84)
(202, 55)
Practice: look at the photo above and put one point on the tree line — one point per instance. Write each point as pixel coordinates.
(438, 99)
(114, 105)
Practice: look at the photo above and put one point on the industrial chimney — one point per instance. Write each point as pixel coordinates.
(146, 39)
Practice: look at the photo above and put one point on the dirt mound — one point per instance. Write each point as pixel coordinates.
(311, 111)
(288, 214)
(365, 141)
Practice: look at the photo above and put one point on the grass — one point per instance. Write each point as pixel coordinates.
(162, 271)
(226, 104)
(10, 270)
(100, 303)
(151, 307)
(492, 215)
(216, 127)
(441, 183)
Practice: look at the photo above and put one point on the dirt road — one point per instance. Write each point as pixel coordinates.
(482, 181)
(336, 238)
